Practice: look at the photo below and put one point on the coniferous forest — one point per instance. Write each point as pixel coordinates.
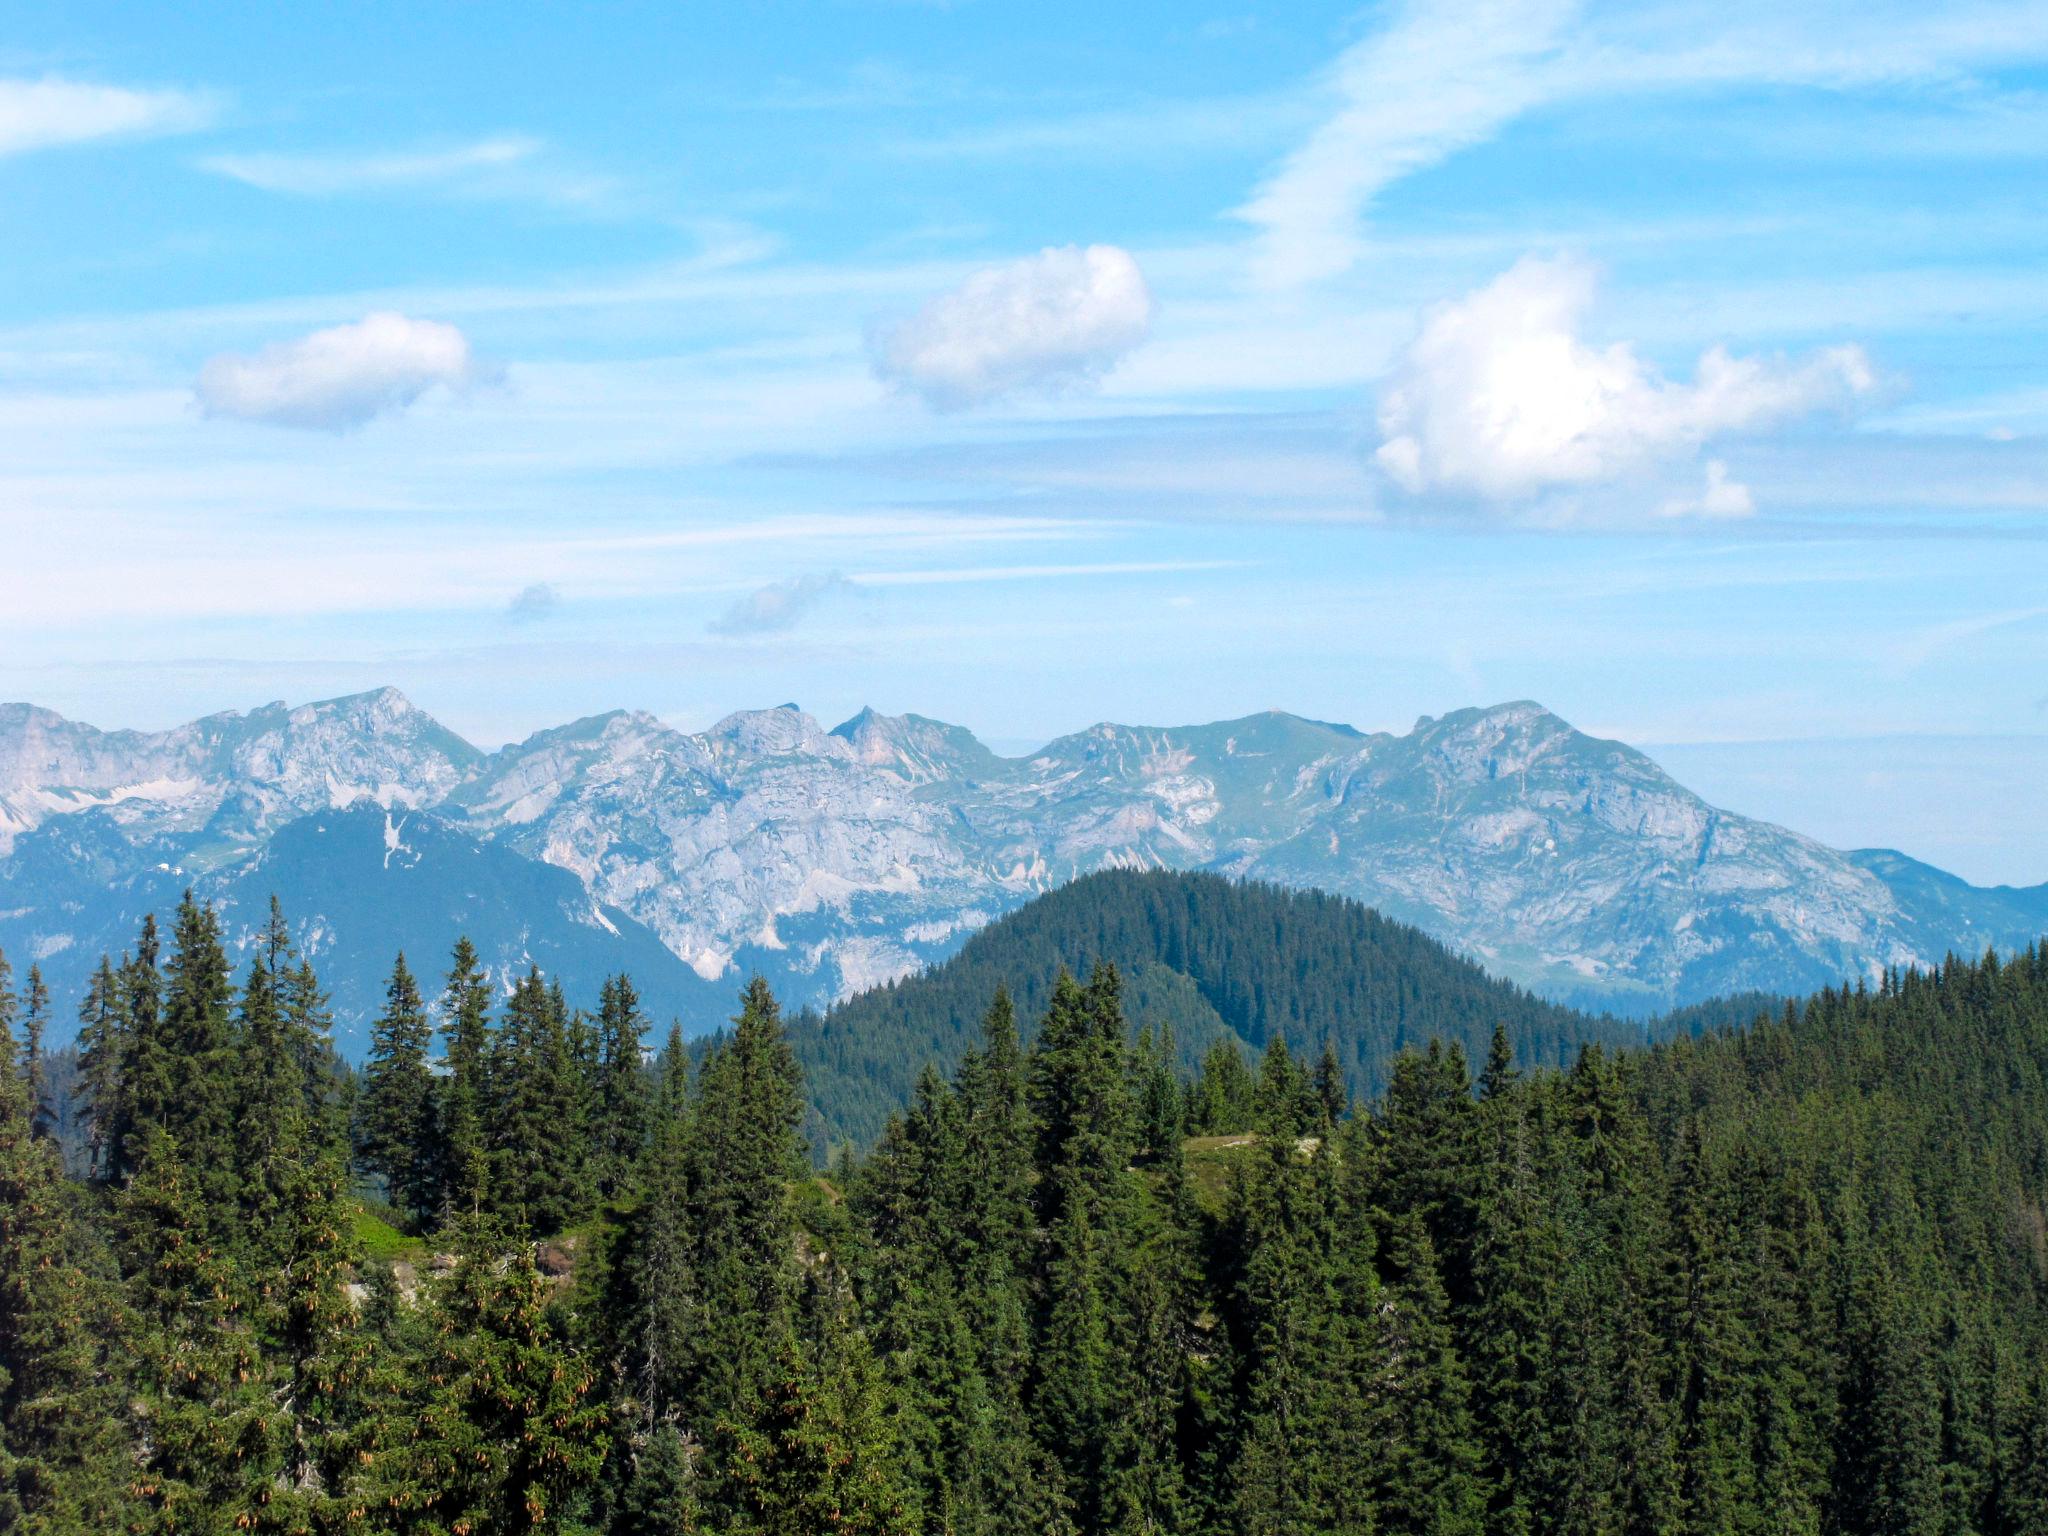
(522, 1274)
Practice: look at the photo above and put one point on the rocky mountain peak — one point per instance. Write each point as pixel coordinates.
(914, 748)
(781, 731)
(837, 859)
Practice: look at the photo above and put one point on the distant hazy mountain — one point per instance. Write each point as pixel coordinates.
(834, 860)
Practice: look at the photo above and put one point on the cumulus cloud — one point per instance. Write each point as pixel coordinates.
(1500, 397)
(1050, 321)
(532, 604)
(38, 114)
(341, 377)
(779, 605)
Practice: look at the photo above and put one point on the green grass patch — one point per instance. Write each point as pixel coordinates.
(1211, 1160)
(381, 1242)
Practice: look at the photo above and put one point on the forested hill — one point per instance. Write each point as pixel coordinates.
(1208, 958)
(1791, 1278)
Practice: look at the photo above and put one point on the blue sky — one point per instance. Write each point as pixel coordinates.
(1682, 367)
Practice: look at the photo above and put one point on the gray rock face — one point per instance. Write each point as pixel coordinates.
(235, 776)
(834, 860)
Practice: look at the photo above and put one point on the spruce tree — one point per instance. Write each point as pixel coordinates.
(64, 1429)
(816, 1453)
(102, 1049)
(460, 1141)
(35, 1018)
(537, 1151)
(190, 1089)
(507, 1432)
(620, 1129)
(745, 1160)
(395, 1117)
(1081, 1096)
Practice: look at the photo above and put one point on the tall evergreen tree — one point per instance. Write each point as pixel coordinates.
(745, 1160)
(620, 1130)
(103, 1043)
(395, 1134)
(188, 1087)
(537, 1162)
(63, 1425)
(464, 1153)
(35, 1018)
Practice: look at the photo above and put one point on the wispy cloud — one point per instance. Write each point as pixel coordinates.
(1443, 76)
(41, 114)
(1439, 78)
(1921, 647)
(501, 166)
(340, 377)
(1124, 134)
(778, 606)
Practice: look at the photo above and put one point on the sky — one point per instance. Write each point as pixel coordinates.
(1681, 367)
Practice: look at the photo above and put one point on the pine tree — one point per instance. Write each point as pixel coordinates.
(35, 1018)
(1430, 1481)
(215, 1434)
(395, 1119)
(816, 1453)
(145, 1063)
(1081, 1095)
(537, 1161)
(102, 1049)
(464, 1153)
(506, 1432)
(324, 1353)
(63, 1426)
(659, 1262)
(190, 1091)
(745, 1160)
(620, 1130)
(1289, 1472)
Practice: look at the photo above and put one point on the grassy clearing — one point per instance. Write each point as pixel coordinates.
(381, 1242)
(1211, 1161)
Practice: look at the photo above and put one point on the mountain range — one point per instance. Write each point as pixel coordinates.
(835, 860)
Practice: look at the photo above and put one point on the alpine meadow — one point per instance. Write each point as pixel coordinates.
(943, 768)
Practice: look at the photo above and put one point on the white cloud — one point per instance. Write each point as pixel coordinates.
(779, 605)
(38, 114)
(1057, 319)
(1721, 496)
(340, 377)
(1445, 75)
(327, 175)
(1500, 396)
(1441, 78)
(506, 166)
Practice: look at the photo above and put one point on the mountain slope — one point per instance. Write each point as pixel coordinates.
(1207, 957)
(835, 860)
(358, 884)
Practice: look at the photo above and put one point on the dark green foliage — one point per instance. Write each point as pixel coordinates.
(395, 1133)
(619, 1109)
(463, 1155)
(1789, 1279)
(743, 1161)
(538, 1155)
(1222, 962)
(61, 1429)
